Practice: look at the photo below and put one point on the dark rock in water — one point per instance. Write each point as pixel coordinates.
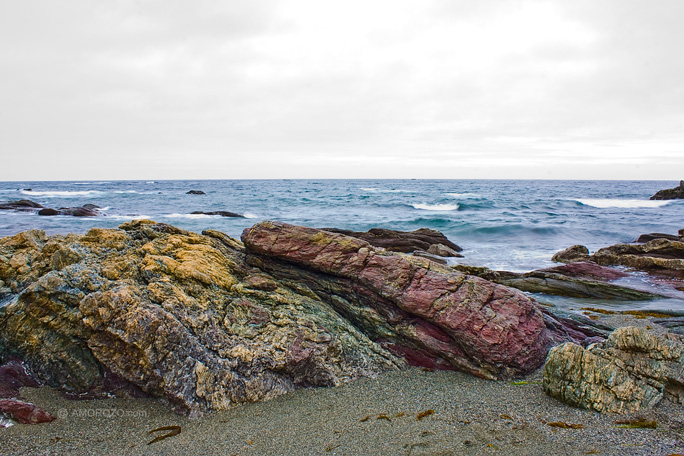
(631, 370)
(24, 412)
(670, 193)
(404, 241)
(430, 315)
(195, 192)
(651, 236)
(571, 254)
(221, 213)
(87, 210)
(20, 205)
(49, 211)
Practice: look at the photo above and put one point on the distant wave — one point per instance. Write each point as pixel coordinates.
(125, 217)
(249, 215)
(190, 216)
(464, 195)
(92, 183)
(65, 193)
(126, 191)
(623, 203)
(384, 190)
(436, 207)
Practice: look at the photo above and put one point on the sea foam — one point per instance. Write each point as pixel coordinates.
(621, 203)
(436, 207)
(61, 193)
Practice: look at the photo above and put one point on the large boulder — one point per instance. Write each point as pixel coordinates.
(670, 193)
(631, 370)
(427, 313)
(175, 314)
(659, 255)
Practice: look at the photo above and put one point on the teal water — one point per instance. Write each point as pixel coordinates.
(513, 225)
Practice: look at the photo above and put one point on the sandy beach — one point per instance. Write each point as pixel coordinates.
(367, 417)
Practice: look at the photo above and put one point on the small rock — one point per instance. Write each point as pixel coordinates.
(195, 192)
(572, 254)
(24, 412)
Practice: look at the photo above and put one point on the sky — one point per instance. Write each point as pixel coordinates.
(449, 89)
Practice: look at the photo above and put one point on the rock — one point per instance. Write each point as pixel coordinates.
(221, 213)
(24, 412)
(579, 280)
(443, 251)
(49, 211)
(670, 193)
(651, 236)
(404, 241)
(173, 314)
(195, 192)
(429, 314)
(13, 376)
(631, 370)
(571, 254)
(20, 205)
(659, 255)
(87, 210)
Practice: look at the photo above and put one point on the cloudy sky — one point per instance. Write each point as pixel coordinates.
(127, 89)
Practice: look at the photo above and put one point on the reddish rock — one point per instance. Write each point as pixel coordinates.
(478, 326)
(425, 239)
(24, 412)
(13, 375)
(586, 270)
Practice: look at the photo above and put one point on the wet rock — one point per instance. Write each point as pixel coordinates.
(572, 254)
(658, 255)
(195, 192)
(405, 241)
(87, 210)
(24, 412)
(586, 270)
(428, 314)
(221, 213)
(49, 211)
(633, 369)
(670, 193)
(651, 236)
(20, 205)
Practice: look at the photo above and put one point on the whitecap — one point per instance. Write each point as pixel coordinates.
(64, 194)
(621, 203)
(125, 191)
(125, 217)
(386, 190)
(249, 215)
(463, 195)
(150, 182)
(190, 216)
(436, 207)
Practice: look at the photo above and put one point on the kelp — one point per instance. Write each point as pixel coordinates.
(422, 415)
(639, 423)
(173, 430)
(563, 425)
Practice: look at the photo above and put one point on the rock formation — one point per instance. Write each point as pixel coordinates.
(195, 192)
(423, 239)
(87, 210)
(207, 322)
(670, 193)
(221, 213)
(14, 375)
(631, 370)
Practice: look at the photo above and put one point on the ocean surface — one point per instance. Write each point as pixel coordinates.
(502, 224)
(513, 225)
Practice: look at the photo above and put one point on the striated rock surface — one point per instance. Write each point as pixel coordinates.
(430, 314)
(175, 314)
(423, 239)
(658, 255)
(670, 193)
(631, 370)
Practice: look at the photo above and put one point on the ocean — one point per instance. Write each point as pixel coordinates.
(514, 225)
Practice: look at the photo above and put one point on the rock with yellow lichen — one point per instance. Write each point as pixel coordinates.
(175, 314)
(631, 370)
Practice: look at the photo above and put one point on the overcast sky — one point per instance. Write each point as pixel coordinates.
(582, 89)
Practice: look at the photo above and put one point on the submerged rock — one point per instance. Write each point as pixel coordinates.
(195, 192)
(87, 210)
(20, 205)
(631, 370)
(670, 193)
(425, 239)
(221, 213)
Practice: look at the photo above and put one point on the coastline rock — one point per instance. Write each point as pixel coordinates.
(429, 314)
(659, 255)
(195, 192)
(176, 314)
(221, 213)
(651, 236)
(670, 193)
(405, 241)
(631, 370)
(20, 205)
(571, 254)
(87, 210)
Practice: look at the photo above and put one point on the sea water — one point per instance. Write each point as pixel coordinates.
(516, 225)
